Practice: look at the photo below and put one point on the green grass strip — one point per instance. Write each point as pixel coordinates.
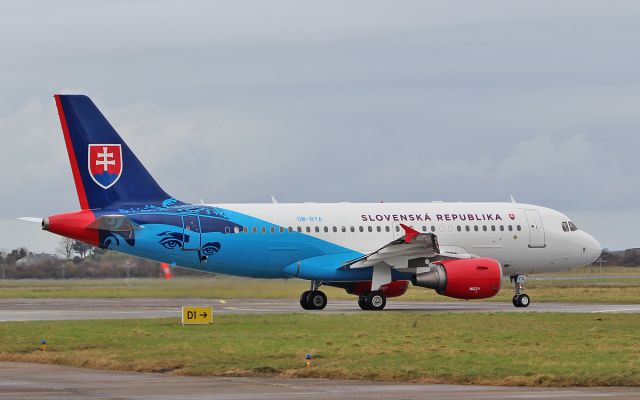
(546, 349)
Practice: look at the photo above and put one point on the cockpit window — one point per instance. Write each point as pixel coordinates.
(565, 227)
(572, 226)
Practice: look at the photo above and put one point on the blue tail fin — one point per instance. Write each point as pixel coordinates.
(105, 170)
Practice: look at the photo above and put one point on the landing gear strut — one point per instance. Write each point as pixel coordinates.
(313, 299)
(374, 300)
(519, 299)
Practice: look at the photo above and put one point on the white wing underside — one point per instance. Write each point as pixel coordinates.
(398, 252)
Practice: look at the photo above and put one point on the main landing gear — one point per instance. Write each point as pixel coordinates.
(374, 300)
(519, 299)
(313, 299)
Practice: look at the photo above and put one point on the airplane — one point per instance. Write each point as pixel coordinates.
(371, 250)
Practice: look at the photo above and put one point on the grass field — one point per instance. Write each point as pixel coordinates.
(624, 288)
(503, 348)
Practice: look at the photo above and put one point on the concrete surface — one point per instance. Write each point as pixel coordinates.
(69, 309)
(23, 381)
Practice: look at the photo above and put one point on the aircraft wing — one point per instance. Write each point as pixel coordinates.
(412, 245)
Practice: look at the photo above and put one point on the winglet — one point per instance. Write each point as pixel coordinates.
(409, 233)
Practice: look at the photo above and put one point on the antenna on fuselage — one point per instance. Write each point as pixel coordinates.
(513, 200)
(273, 199)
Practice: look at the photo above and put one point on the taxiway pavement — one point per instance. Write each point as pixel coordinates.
(23, 381)
(76, 309)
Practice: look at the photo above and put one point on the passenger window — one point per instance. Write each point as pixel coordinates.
(475, 228)
(565, 227)
(433, 228)
(397, 229)
(236, 229)
(254, 229)
(467, 228)
(424, 228)
(299, 229)
(344, 229)
(335, 229)
(245, 229)
(282, 229)
(484, 228)
(317, 229)
(519, 228)
(459, 228)
(264, 229)
(291, 229)
(361, 229)
(387, 229)
(353, 229)
(510, 228)
(572, 226)
(273, 229)
(326, 229)
(379, 229)
(370, 229)
(493, 228)
(501, 228)
(308, 229)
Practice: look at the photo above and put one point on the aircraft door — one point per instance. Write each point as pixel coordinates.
(191, 232)
(536, 229)
(396, 230)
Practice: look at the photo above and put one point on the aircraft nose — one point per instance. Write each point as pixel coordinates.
(592, 246)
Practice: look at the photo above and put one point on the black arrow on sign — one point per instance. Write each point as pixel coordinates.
(203, 315)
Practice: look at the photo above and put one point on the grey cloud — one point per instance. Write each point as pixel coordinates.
(333, 101)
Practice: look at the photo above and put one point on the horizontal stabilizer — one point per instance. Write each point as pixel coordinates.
(31, 219)
(115, 223)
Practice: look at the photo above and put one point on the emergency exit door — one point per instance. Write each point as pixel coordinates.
(536, 229)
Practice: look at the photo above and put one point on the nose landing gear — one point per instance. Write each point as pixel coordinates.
(520, 299)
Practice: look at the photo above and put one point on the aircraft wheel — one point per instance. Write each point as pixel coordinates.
(523, 300)
(303, 300)
(375, 300)
(316, 300)
(515, 301)
(362, 303)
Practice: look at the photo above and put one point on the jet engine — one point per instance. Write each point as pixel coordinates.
(472, 278)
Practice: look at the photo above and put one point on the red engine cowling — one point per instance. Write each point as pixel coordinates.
(392, 289)
(473, 278)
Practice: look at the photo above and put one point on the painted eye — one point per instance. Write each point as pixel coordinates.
(211, 248)
(171, 243)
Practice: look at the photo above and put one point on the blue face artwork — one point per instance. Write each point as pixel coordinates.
(212, 239)
(171, 228)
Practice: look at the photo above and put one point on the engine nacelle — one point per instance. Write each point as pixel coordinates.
(473, 278)
(391, 289)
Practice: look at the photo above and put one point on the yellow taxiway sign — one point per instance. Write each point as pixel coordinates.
(197, 315)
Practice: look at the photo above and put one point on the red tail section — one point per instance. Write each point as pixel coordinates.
(74, 225)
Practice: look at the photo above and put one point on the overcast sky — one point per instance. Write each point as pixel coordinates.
(232, 101)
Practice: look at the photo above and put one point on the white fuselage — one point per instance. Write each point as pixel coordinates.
(523, 238)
